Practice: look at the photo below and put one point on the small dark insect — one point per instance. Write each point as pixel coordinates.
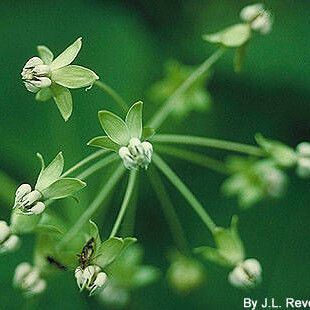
(86, 253)
(52, 261)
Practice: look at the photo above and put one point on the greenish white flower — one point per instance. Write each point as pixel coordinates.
(28, 279)
(8, 241)
(303, 160)
(52, 78)
(126, 137)
(91, 278)
(246, 275)
(259, 18)
(50, 185)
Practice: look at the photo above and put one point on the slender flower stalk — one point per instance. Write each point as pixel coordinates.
(94, 206)
(167, 107)
(208, 142)
(184, 190)
(84, 161)
(195, 158)
(125, 203)
(169, 211)
(113, 94)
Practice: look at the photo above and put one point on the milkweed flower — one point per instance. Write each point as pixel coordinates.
(127, 138)
(50, 185)
(91, 278)
(52, 78)
(8, 241)
(303, 160)
(247, 274)
(28, 279)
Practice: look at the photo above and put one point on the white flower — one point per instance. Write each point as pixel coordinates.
(8, 242)
(136, 154)
(247, 274)
(259, 18)
(27, 201)
(28, 279)
(36, 74)
(303, 160)
(91, 278)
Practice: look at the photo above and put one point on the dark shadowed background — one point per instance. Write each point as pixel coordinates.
(127, 43)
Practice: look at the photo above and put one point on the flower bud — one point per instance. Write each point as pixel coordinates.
(246, 274)
(99, 282)
(10, 245)
(5, 231)
(79, 277)
(38, 208)
(23, 190)
(128, 159)
(303, 160)
(27, 278)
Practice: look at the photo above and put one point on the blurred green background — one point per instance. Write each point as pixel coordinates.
(126, 43)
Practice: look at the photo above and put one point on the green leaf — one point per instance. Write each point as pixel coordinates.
(129, 241)
(63, 100)
(134, 120)
(281, 153)
(114, 127)
(147, 133)
(48, 229)
(212, 255)
(63, 188)
(45, 54)
(74, 76)
(67, 56)
(105, 143)
(94, 232)
(108, 251)
(44, 94)
(51, 173)
(233, 36)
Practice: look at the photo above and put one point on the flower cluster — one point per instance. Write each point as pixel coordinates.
(28, 279)
(8, 241)
(124, 137)
(91, 278)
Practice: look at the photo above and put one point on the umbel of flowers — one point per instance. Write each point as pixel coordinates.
(127, 138)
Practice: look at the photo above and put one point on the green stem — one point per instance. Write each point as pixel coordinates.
(84, 162)
(168, 105)
(195, 158)
(126, 200)
(169, 211)
(184, 190)
(97, 166)
(102, 195)
(208, 142)
(113, 94)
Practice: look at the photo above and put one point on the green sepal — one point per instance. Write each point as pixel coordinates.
(104, 142)
(23, 224)
(114, 127)
(108, 251)
(282, 154)
(134, 120)
(73, 76)
(233, 36)
(63, 100)
(51, 173)
(44, 94)
(45, 54)
(148, 133)
(212, 255)
(67, 56)
(62, 188)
